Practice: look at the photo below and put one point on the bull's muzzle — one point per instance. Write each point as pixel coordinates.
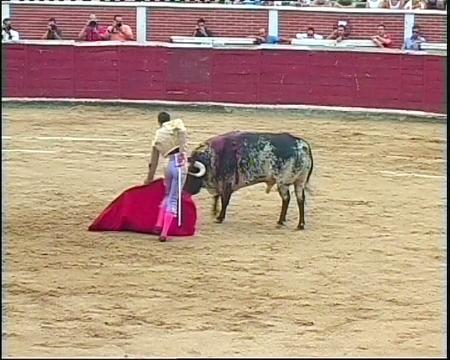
(201, 169)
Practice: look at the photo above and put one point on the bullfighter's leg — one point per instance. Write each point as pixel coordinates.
(300, 195)
(163, 205)
(283, 190)
(172, 198)
(215, 202)
(225, 199)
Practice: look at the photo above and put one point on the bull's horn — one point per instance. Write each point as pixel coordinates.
(201, 169)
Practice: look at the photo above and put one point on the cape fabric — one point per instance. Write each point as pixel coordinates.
(136, 209)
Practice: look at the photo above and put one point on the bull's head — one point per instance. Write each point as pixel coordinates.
(196, 177)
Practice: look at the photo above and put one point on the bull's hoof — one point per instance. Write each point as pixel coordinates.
(280, 224)
(218, 220)
(301, 227)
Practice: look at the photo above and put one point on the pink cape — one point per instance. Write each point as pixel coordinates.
(136, 209)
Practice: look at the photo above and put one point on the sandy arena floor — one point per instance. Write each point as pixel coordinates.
(365, 278)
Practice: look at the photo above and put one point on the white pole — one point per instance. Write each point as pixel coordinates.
(179, 196)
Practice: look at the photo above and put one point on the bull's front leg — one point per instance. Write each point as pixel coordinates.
(283, 190)
(225, 199)
(214, 207)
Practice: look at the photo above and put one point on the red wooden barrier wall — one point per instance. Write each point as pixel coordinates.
(378, 80)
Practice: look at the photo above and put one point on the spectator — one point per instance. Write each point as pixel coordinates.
(375, 4)
(414, 42)
(435, 4)
(310, 34)
(8, 33)
(53, 32)
(201, 30)
(339, 33)
(303, 3)
(381, 39)
(263, 38)
(119, 31)
(324, 3)
(92, 31)
(344, 4)
(394, 4)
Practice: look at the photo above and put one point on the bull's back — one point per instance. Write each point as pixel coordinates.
(248, 158)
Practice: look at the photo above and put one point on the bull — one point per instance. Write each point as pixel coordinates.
(226, 163)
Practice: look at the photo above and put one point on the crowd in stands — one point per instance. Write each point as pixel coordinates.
(387, 4)
(119, 31)
(91, 31)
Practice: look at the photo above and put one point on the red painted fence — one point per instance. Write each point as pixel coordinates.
(333, 78)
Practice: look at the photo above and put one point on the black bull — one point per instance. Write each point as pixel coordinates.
(228, 162)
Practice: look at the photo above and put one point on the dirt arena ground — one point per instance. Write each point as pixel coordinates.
(365, 278)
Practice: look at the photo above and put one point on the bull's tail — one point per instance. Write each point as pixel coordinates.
(308, 188)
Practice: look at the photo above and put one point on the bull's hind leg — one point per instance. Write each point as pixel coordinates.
(300, 195)
(270, 183)
(283, 190)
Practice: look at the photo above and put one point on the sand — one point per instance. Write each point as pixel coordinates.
(365, 278)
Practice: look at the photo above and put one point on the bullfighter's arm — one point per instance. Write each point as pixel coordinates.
(152, 166)
(182, 138)
(182, 141)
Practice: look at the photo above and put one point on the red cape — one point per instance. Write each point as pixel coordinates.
(136, 209)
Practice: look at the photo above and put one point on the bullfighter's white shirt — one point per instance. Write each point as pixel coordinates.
(169, 136)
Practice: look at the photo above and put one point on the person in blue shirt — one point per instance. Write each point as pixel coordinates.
(414, 42)
(264, 38)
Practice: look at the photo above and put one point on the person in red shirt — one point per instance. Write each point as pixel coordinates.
(92, 31)
(382, 39)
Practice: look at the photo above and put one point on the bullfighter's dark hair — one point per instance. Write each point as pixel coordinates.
(384, 26)
(163, 117)
(310, 28)
(5, 20)
(116, 16)
(201, 20)
(52, 19)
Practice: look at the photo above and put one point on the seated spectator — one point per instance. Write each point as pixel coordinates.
(8, 33)
(302, 3)
(263, 38)
(435, 4)
(53, 31)
(394, 4)
(415, 4)
(310, 34)
(381, 39)
(324, 3)
(119, 31)
(201, 30)
(92, 31)
(375, 4)
(414, 42)
(339, 33)
(344, 4)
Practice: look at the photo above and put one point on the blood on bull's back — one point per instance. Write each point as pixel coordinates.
(272, 158)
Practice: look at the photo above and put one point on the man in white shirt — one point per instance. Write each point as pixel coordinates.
(310, 34)
(8, 33)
